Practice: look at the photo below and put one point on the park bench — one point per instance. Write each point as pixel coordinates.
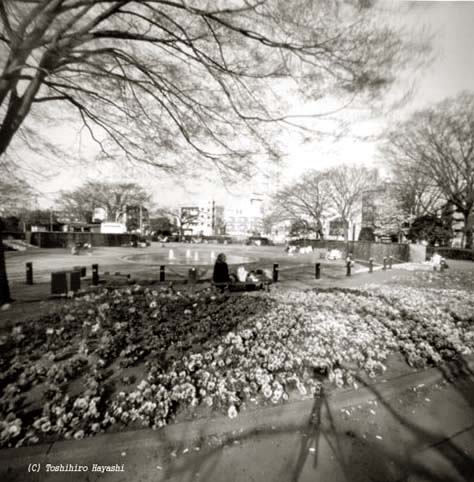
(238, 286)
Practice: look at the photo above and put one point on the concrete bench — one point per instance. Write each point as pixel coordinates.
(240, 287)
(62, 282)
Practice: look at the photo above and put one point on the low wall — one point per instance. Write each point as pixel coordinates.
(378, 251)
(64, 240)
(363, 250)
(451, 253)
(417, 253)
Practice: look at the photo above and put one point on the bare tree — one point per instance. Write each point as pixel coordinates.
(307, 199)
(168, 81)
(182, 218)
(113, 197)
(416, 193)
(347, 186)
(393, 205)
(438, 144)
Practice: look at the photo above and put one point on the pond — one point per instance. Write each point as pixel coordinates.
(185, 257)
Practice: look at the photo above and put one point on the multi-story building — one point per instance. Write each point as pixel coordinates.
(204, 218)
(244, 217)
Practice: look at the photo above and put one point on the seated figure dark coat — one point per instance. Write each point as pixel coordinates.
(221, 270)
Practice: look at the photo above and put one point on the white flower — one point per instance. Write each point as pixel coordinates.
(232, 412)
(14, 430)
(267, 391)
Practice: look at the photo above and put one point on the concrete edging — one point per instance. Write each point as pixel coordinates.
(291, 415)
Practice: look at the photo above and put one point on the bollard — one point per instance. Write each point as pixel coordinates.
(192, 275)
(162, 273)
(348, 267)
(29, 273)
(390, 262)
(318, 271)
(371, 265)
(192, 278)
(384, 263)
(275, 272)
(95, 274)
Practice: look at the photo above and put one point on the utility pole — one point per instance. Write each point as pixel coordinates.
(50, 219)
(141, 220)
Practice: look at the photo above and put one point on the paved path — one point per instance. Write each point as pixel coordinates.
(414, 427)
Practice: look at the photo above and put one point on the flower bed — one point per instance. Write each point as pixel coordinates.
(139, 356)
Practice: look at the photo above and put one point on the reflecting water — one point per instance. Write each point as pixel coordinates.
(185, 257)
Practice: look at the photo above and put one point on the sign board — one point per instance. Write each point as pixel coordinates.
(113, 228)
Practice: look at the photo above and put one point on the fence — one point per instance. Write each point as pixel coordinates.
(64, 240)
(363, 250)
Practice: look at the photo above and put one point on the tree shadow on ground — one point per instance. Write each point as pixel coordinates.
(416, 452)
(441, 444)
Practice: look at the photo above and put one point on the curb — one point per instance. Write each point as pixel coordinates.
(183, 434)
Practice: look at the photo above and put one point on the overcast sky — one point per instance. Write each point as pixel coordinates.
(451, 72)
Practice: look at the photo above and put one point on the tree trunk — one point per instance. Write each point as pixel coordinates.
(4, 287)
(346, 230)
(468, 229)
(319, 230)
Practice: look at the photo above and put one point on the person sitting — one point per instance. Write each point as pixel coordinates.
(220, 276)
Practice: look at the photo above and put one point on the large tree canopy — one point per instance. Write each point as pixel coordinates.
(438, 144)
(173, 82)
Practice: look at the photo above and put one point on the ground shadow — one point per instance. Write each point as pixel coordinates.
(357, 459)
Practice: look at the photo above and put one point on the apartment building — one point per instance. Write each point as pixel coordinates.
(244, 217)
(203, 218)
